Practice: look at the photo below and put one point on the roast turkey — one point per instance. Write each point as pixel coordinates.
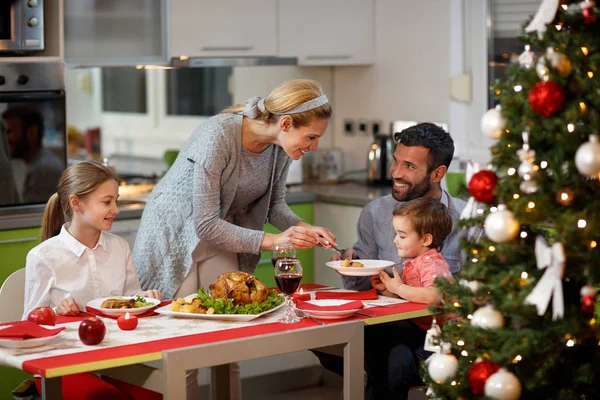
(240, 286)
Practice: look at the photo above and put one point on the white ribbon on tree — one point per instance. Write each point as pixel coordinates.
(550, 285)
(545, 14)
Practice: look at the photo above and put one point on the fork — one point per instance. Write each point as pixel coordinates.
(302, 314)
(341, 252)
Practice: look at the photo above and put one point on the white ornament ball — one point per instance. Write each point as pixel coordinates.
(493, 123)
(503, 385)
(528, 186)
(587, 157)
(473, 285)
(441, 367)
(501, 226)
(487, 318)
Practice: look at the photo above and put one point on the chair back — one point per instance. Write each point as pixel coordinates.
(12, 296)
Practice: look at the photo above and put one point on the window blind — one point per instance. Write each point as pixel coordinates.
(508, 16)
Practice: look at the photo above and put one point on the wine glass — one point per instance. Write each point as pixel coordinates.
(288, 274)
(282, 250)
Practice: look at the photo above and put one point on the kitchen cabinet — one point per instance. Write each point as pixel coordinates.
(14, 246)
(264, 270)
(331, 32)
(115, 32)
(342, 221)
(225, 28)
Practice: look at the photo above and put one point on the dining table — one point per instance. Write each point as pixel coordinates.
(157, 354)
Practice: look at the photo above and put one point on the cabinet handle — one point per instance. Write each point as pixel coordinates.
(117, 231)
(227, 48)
(334, 57)
(21, 240)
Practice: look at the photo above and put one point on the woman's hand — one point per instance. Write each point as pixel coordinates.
(326, 237)
(68, 306)
(153, 294)
(391, 283)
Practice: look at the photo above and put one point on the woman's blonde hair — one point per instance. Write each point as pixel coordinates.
(287, 96)
(79, 180)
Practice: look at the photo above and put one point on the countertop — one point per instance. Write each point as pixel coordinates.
(350, 193)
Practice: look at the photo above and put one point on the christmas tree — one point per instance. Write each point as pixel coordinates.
(523, 304)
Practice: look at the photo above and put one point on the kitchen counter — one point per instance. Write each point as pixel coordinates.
(350, 193)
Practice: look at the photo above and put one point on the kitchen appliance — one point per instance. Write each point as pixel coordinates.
(380, 157)
(21, 25)
(32, 132)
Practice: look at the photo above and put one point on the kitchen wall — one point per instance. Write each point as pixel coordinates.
(418, 47)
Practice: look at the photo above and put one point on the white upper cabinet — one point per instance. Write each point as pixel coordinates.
(327, 32)
(115, 32)
(224, 28)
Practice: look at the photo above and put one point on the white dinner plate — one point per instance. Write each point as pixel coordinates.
(371, 267)
(115, 312)
(29, 343)
(322, 314)
(166, 310)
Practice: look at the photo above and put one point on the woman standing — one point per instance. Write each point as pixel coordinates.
(206, 215)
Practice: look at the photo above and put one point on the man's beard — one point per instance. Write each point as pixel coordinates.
(414, 191)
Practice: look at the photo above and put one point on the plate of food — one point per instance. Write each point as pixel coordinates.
(115, 306)
(359, 267)
(235, 296)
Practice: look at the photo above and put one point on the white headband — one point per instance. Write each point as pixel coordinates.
(256, 106)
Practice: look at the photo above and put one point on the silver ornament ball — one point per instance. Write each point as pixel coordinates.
(587, 157)
(503, 385)
(501, 226)
(487, 318)
(493, 123)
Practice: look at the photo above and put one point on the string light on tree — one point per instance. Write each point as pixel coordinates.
(565, 196)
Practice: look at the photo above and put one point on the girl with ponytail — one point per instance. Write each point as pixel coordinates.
(77, 261)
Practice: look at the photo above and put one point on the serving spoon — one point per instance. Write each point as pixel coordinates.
(327, 246)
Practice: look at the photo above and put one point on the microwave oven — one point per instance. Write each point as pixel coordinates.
(21, 26)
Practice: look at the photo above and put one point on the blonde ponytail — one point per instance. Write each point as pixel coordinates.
(54, 218)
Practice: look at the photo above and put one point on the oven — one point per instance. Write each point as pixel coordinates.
(33, 144)
(21, 25)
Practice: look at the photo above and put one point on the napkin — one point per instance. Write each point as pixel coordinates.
(352, 305)
(148, 313)
(22, 330)
(366, 295)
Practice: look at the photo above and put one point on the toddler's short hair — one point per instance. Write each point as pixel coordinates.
(428, 215)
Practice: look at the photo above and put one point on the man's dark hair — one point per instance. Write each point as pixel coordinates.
(437, 140)
(29, 117)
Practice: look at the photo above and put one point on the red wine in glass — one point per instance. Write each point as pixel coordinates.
(288, 283)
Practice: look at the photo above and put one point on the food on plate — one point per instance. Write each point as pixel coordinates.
(351, 264)
(42, 316)
(194, 306)
(92, 331)
(241, 287)
(117, 302)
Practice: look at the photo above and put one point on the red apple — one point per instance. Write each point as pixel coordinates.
(42, 316)
(92, 331)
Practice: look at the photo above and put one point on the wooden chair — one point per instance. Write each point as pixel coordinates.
(13, 292)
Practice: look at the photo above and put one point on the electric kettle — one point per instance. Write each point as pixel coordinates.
(380, 158)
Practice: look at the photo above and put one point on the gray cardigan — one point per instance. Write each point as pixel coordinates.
(190, 203)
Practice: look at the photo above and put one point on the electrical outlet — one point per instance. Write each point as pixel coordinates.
(348, 127)
(363, 127)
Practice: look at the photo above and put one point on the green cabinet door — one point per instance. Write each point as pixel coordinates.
(14, 246)
(264, 270)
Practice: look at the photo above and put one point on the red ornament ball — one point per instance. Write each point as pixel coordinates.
(587, 304)
(482, 185)
(546, 98)
(589, 16)
(479, 373)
